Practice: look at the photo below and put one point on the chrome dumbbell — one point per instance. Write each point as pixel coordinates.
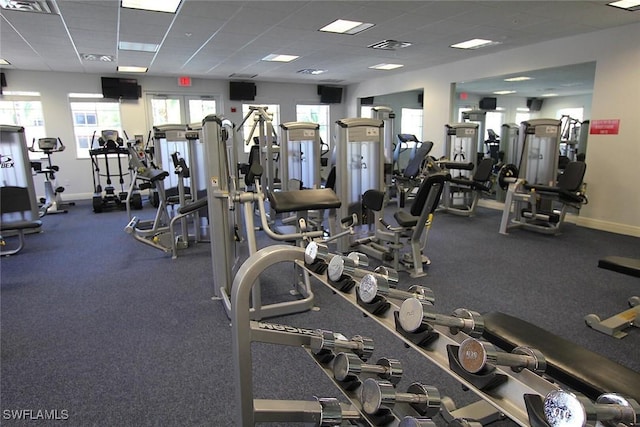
(372, 285)
(315, 251)
(348, 266)
(327, 340)
(348, 364)
(416, 422)
(332, 414)
(414, 315)
(380, 394)
(476, 355)
(388, 273)
(565, 409)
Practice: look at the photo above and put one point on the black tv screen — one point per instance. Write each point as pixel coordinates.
(117, 88)
(534, 104)
(330, 94)
(110, 87)
(129, 89)
(488, 103)
(242, 91)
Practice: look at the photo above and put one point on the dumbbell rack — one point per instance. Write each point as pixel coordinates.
(505, 398)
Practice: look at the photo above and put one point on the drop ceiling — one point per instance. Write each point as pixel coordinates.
(217, 39)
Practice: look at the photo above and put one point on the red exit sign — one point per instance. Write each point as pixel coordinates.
(184, 81)
(604, 127)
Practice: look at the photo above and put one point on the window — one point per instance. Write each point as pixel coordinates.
(315, 114)
(365, 110)
(493, 121)
(249, 131)
(91, 118)
(25, 113)
(165, 111)
(201, 108)
(411, 122)
(522, 115)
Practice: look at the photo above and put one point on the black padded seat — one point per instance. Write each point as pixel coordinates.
(583, 370)
(303, 200)
(570, 181)
(405, 219)
(20, 225)
(194, 206)
(457, 165)
(480, 180)
(624, 265)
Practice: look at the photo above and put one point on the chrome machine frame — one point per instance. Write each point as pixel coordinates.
(300, 151)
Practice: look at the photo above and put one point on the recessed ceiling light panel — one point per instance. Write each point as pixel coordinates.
(386, 66)
(474, 44)
(170, 6)
(631, 5)
(518, 79)
(344, 26)
(504, 92)
(274, 57)
(131, 69)
(141, 47)
(4, 62)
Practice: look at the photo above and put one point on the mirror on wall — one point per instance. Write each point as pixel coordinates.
(403, 114)
(499, 104)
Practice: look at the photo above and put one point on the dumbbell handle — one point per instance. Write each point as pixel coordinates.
(475, 355)
(400, 294)
(411, 398)
(448, 321)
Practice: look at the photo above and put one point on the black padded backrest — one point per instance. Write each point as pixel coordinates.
(255, 171)
(415, 165)
(483, 172)
(373, 199)
(14, 199)
(254, 155)
(431, 183)
(571, 179)
(331, 179)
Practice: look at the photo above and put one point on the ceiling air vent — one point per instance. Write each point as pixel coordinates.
(38, 6)
(389, 45)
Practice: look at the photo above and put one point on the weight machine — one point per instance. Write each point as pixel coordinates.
(478, 117)
(267, 141)
(537, 197)
(52, 202)
(461, 148)
(360, 167)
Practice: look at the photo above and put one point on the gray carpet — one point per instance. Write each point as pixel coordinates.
(117, 333)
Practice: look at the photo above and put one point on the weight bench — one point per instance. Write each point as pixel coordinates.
(580, 369)
(15, 207)
(184, 211)
(616, 324)
(468, 190)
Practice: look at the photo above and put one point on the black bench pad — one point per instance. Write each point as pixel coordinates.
(630, 266)
(20, 225)
(581, 369)
(303, 200)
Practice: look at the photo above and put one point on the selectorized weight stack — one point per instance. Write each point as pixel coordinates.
(300, 152)
(360, 167)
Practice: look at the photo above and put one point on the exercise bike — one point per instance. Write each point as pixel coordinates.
(52, 202)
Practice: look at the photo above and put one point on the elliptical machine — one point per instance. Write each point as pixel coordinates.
(52, 202)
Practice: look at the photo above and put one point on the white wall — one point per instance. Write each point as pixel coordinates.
(76, 174)
(612, 171)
